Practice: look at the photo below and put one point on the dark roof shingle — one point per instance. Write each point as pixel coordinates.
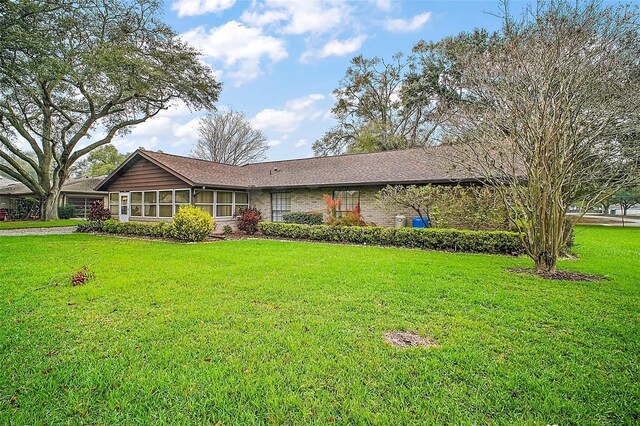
(418, 165)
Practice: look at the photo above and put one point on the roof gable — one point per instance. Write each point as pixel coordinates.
(411, 166)
(139, 171)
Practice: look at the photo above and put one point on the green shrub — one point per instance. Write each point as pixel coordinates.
(154, 229)
(304, 218)
(496, 242)
(192, 224)
(66, 212)
(227, 230)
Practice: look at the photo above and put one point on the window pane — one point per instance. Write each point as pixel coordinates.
(136, 198)
(150, 210)
(280, 203)
(240, 206)
(165, 211)
(242, 198)
(150, 197)
(136, 209)
(204, 197)
(222, 211)
(183, 196)
(208, 209)
(349, 199)
(225, 197)
(113, 208)
(113, 198)
(166, 197)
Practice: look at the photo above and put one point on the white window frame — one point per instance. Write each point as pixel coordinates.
(109, 204)
(173, 199)
(131, 204)
(145, 204)
(281, 211)
(175, 205)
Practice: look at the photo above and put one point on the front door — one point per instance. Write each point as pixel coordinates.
(124, 207)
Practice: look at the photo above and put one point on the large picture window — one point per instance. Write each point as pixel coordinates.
(224, 204)
(280, 204)
(136, 204)
(241, 200)
(182, 198)
(204, 200)
(151, 204)
(221, 203)
(114, 202)
(349, 200)
(165, 203)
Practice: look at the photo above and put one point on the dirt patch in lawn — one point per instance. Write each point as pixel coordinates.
(402, 339)
(559, 275)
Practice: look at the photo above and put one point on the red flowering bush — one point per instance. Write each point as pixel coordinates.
(248, 219)
(336, 218)
(97, 212)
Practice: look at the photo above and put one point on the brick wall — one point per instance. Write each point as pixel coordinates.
(303, 200)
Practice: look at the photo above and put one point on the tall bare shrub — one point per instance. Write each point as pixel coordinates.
(548, 108)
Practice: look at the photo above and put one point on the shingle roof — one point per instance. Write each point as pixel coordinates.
(79, 186)
(200, 172)
(418, 165)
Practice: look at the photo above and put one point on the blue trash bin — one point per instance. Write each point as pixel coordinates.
(418, 223)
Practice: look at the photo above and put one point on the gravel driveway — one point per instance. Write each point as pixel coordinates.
(37, 231)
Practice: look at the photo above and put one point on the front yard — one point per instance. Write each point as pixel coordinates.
(256, 331)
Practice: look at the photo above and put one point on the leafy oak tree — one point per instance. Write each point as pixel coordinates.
(405, 102)
(76, 73)
(549, 103)
(101, 161)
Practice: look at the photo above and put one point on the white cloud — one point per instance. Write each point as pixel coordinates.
(304, 102)
(407, 25)
(342, 47)
(300, 16)
(240, 48)
(383, 5)
(301, 143)
(335, 48)
(277, 120)
(200, 7)
(274, 142)
(263, 19)
(288, 119)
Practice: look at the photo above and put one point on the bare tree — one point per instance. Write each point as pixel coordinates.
(229, 138)
(550, 101)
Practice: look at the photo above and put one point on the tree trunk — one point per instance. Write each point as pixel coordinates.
(546, 262)
(50, 205)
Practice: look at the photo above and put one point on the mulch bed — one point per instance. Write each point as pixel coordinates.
(559, 275)
(402, 339)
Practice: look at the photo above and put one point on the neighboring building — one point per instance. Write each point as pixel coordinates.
(79, 193)
(151, 186)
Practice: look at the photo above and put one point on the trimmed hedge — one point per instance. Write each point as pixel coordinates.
(66, 212)
(495, 242)
(155, 229)
(304, 218)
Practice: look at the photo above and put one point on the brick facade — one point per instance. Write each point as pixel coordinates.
(305, 199)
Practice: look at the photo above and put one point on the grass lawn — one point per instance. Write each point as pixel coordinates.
(38, 224)
(258, 332)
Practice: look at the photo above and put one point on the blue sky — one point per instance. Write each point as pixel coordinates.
(279, 60)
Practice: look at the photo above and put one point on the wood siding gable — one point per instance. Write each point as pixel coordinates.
(146, 175)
